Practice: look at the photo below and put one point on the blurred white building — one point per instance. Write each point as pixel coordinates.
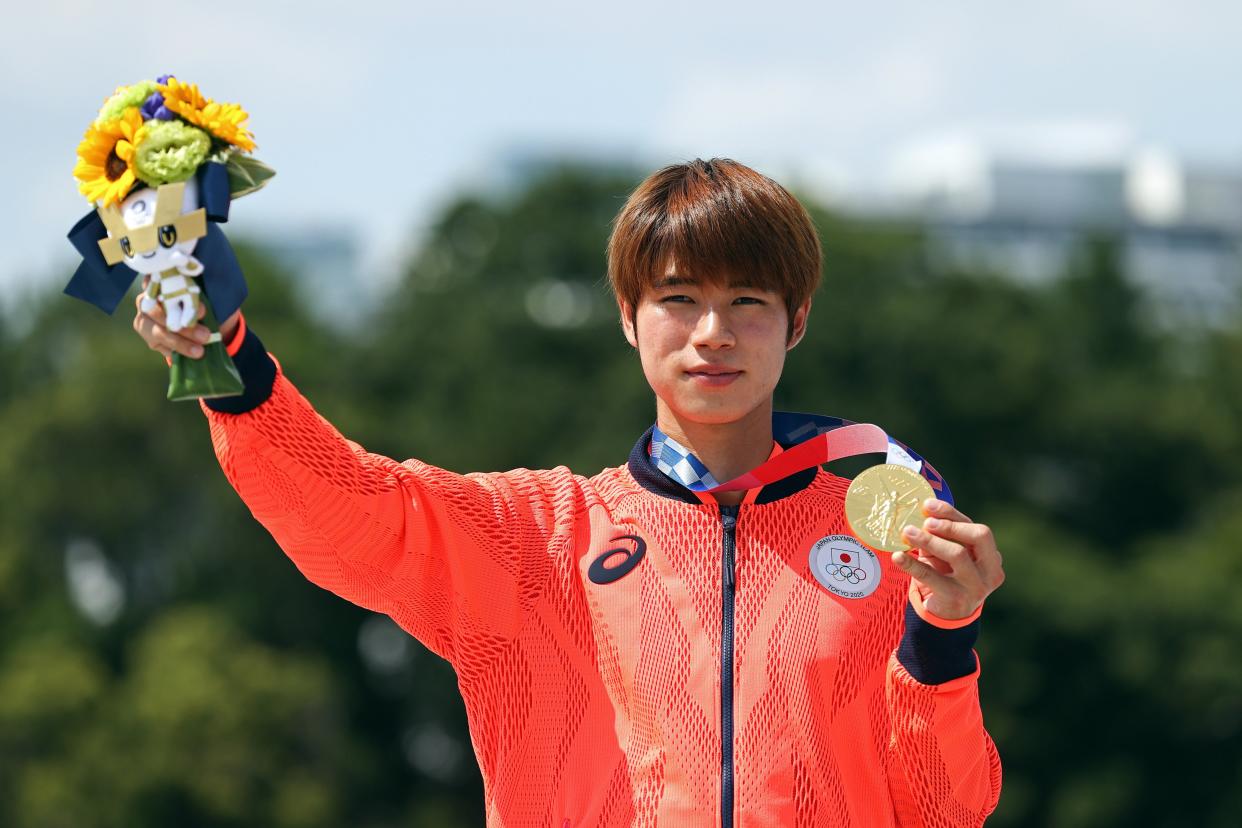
(1180, 227)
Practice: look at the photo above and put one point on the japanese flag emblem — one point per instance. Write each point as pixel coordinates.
(845, 567)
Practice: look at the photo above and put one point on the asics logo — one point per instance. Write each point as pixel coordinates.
(601, 574)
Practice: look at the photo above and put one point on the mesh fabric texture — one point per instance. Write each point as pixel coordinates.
(599, 704)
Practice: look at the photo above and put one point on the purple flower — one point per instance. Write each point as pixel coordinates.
(153, 107)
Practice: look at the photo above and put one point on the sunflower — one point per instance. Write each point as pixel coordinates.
(105, 168)
(224, 121)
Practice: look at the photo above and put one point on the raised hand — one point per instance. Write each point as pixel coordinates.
(955, 564)
(152, 326)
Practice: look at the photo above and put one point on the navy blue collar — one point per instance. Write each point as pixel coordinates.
(656, 482)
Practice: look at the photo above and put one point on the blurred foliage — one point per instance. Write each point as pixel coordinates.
(163, 663)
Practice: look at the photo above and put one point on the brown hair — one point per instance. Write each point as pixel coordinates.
(716, 220)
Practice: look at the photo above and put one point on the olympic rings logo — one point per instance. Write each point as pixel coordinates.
(845, 567)
(849, 574)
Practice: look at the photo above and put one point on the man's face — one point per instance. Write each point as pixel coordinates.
(712, 352)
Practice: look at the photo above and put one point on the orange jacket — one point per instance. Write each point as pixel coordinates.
(595, 696)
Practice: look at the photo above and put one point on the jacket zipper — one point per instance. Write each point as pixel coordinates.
(728, 522)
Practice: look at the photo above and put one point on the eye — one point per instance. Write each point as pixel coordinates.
(126, 248)
(749, 300)
(168, 235)
(676, 297)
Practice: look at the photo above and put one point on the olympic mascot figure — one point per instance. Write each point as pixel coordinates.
(161, 164)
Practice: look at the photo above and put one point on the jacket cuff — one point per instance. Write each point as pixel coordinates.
(258, 373)
(916, 600)
(239, 336)
(933, 654)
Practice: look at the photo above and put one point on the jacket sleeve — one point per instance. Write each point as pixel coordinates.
(456, 560)
(944, 770)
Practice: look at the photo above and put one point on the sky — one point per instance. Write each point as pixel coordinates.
(374, 113)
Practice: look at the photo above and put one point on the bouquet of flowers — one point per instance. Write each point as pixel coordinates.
(161, 163)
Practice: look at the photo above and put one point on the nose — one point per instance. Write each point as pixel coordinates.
(713, 329)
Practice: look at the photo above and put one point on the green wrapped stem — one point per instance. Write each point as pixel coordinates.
(212, 375)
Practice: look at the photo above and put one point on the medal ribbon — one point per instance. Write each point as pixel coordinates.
(813, 439)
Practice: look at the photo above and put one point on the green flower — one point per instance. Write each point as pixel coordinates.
(124, 98)
(170, 151)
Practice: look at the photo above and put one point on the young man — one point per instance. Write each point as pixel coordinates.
(634, 648)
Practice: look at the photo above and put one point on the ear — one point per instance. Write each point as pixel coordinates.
(627, 322)
(799, 324)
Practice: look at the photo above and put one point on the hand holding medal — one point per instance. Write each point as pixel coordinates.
(956, 565)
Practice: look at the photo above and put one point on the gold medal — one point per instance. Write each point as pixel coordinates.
(882, 501)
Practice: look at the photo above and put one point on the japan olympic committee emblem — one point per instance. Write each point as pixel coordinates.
(845, 567)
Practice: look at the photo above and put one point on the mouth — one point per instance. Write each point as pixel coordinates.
(713, 375)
